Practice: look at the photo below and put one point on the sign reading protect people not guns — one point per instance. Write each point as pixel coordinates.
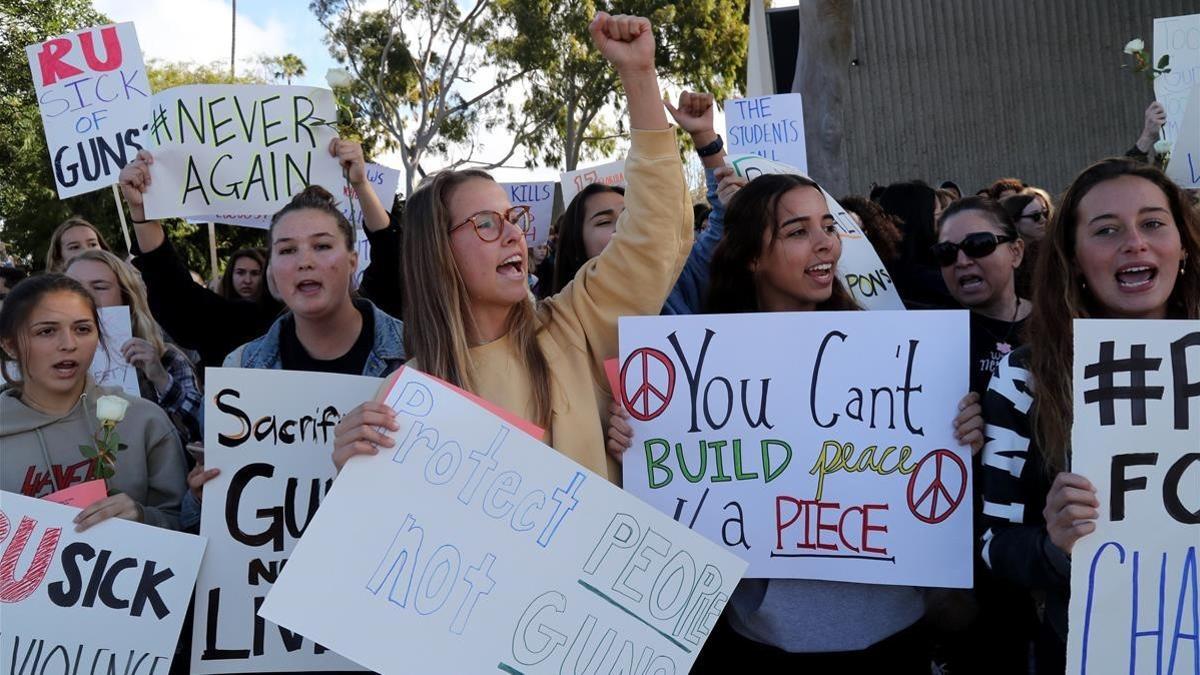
(243, 149)
(94, 98)
(1135, 584)
(815, 445)
(110, 599)
(470, 547)
(270, 432)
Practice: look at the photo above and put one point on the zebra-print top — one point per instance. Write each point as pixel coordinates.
(1015, 482)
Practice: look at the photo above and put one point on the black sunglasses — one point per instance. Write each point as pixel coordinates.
(1036, 216)
(976, 245)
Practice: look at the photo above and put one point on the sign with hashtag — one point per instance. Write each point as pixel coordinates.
(815, 445)
(470, 547)
(95, 102)
(237, 148)
(1136, 437)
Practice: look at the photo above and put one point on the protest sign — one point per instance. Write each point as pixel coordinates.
(1184, 167)
(1179, 38)
(1136, 435)
(860, 269)
(815, 445)
(539, 197)
(232, 148)
(93, 94)
(109, 368)
(470, 547)
(611, 173)
(271, 435)
(771, 127)
(110, 599)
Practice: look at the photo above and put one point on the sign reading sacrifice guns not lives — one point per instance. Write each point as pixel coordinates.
(471, 547)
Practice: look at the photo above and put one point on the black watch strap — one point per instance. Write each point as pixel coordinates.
(712, 148)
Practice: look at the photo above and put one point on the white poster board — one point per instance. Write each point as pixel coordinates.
(609, 173)
(861, 271)
(109, 368)
(1134, 580)
(95, 102)
(771, 127)
(109, 599)
(815, 445)
(1178, 36)
(270, 432)
(1184, 167)
(539, 197)
(238, 148)
(470, 547)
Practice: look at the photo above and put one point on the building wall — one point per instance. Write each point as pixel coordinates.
(972, 90)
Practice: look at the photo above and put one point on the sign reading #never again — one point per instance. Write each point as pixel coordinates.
(470, 547)
(239, 148)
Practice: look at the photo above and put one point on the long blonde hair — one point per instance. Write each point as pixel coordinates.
(133, 294)
(437, 307)
(54, 255)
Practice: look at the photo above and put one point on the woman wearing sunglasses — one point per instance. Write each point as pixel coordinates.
(470, 318)
(1030, 212)
(978, 250)
(1122, 246)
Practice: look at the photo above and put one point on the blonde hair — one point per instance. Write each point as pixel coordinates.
(54, 255)
(133, 293)
(437, 307)
(1045, 197)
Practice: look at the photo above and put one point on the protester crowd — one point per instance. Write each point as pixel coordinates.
(454, 291)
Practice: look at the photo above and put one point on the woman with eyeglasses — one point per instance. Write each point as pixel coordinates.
(1123, 245)
(470, 318)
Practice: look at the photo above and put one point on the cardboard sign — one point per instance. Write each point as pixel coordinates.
(612, 173)
(270, 433)
(110, 599)
(771, 127)
(1179, 37)
(232, 148)
(860, 269)
(109, 368)
(1136, 435)
(472, 548)
(539, 197)
(95, 102)
(815, 445)
(1184, 167)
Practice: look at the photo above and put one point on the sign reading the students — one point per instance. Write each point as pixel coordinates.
(611, 173)
(94, 98)
(239, 148)
(539, 197)
(271, 434)
(859, 269)
(1135, 585)
(815, 445)
(110, 599)
(470, 547)
(1177, 37)
(771, 127)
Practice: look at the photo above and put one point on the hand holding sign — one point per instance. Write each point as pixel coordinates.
(1071, 509)
(359, 432)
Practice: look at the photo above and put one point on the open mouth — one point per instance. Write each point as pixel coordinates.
(513, 266)
(1136, 277)
(309, 287)
(970, 282)
(66, 368)
(820, 271)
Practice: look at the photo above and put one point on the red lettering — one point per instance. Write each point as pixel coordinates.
(779, 525)
(51, 64)
(112, 49)
(842, 526)
(11, 589)
(867, 527)
(829, 517)
(822, 526)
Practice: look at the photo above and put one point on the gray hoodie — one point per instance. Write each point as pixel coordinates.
(39, 453)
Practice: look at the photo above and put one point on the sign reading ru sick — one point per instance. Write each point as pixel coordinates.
(815, 445)
(470, 547)
(94, 98)
(107, 600)
(1135, 584)
(243, 149)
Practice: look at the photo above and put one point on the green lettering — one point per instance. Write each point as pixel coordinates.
(769, 473)
(653, 464)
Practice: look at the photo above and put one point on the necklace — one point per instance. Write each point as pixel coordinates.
(1002, 343)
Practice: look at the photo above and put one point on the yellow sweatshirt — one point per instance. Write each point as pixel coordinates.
(578, 326)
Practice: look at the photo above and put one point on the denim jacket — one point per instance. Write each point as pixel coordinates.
(691, 289)
(387, 352)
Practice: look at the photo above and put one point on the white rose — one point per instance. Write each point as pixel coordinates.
(111, 408)
(1134, 45)
(1162, 147)
(338, 77)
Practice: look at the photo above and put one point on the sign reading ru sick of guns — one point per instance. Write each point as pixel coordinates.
(815, 445)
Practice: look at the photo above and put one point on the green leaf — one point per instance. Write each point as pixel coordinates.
(88, 451)
(1162, 63)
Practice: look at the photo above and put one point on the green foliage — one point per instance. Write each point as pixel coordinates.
(284, 67)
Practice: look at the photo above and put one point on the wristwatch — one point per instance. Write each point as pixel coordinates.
(712, 148)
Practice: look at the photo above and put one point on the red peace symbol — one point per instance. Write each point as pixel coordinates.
(646, 388)
(937, 488)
